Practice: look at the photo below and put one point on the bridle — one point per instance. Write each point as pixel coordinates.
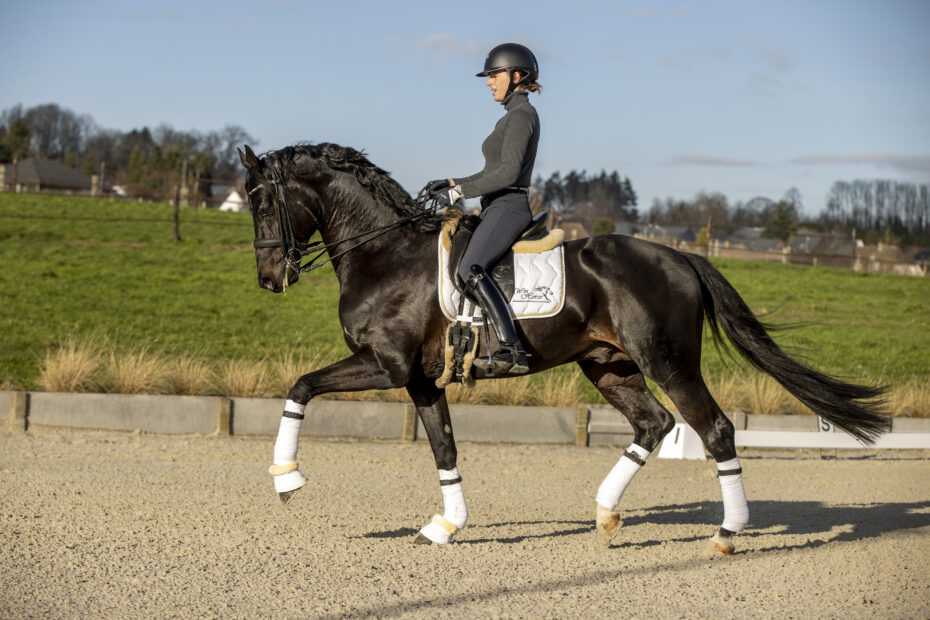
(293, 250)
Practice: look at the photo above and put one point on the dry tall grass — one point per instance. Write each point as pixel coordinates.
(139, 371)
(910, 400)
(728, 390)
(513, 391)
(285, 370)
(463, 395)
(190, 376)
(766, 396)
(245, 379)
(559, 389)
(87, 367)
(72, 367)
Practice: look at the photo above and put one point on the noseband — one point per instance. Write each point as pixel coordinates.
(293, 250)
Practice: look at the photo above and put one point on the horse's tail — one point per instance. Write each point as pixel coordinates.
(853, 408)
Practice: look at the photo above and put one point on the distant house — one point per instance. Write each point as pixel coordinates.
(825, 245)
(752, 239)
(233, 202)
(34, 174)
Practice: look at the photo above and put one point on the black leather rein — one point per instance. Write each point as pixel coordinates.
(293, 250)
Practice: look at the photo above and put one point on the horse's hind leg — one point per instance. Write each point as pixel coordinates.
(701, 412)
(624, 387)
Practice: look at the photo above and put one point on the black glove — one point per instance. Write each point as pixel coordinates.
(434, 187)
(448, 196)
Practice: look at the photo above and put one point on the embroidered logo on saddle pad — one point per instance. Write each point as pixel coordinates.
(539, 278)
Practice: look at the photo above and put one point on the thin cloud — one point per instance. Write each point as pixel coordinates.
(920, 163)
(714, 51)
(711, 160)
(149, 16)
(442, 44)
(778, 61)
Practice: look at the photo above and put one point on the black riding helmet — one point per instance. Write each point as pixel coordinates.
(511, 57)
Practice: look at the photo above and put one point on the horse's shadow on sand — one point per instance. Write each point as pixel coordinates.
(788, 519)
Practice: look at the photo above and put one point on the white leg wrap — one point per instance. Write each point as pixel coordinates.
(439, 530)
(453, 498)
(285, 447)
(442, 527)
(735, 508)
(616, 482)
(285, 450)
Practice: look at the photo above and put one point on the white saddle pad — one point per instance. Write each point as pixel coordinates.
(539, 282)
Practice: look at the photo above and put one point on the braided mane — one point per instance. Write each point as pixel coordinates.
(378, 182)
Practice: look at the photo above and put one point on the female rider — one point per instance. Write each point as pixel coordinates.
(503, 184)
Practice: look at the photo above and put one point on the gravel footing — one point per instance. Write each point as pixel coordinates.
(133, 525)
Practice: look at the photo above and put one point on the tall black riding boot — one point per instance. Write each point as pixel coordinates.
(510, 358)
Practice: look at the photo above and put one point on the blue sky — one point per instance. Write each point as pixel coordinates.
(745, 98)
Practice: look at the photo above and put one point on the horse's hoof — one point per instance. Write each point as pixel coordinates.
(722, 545)
(287, 484)
(439, 531)
(287, 495)
(608, 524)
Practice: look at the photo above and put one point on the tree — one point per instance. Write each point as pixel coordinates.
(702, 239)
(602, 226)
(782, 223)
(17, 139)
(89, 165)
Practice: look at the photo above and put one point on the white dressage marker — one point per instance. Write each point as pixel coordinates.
(682, 442)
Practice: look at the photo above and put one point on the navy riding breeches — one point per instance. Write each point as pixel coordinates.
(504, 215)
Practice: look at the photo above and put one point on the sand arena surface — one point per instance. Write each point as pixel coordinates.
(127, 525)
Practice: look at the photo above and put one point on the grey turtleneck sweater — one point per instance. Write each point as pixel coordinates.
(510, 150)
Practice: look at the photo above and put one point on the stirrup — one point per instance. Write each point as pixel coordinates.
(504, 361)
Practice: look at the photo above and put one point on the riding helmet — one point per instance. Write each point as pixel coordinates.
(511, 57)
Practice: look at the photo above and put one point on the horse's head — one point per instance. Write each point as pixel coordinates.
(282, 202)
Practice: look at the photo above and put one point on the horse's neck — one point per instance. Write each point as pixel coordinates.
(355, 216)
(353, 211)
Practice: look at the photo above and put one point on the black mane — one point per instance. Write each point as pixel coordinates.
(378, 182)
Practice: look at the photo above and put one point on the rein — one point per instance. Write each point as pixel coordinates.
(294, 250)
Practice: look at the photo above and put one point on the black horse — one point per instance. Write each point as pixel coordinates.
(633, 310)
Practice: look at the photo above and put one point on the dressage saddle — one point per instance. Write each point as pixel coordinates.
(502, 271)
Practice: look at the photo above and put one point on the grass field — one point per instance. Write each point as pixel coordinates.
(106, 277)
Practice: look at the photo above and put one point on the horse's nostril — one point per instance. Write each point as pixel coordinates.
(266, 283)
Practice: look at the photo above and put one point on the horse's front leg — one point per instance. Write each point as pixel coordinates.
(433, 410)
(358, 372)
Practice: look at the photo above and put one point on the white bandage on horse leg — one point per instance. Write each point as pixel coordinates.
(285, 446)
(453, 497)
(286, 475)
(616, 482)
(439, 530)
(735, 508)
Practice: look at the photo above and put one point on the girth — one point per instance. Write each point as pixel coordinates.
(502, 271)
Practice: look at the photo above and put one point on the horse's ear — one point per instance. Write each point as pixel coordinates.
(248, 159)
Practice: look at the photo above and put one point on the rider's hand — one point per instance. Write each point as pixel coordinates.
(447, 197)
(434, 187)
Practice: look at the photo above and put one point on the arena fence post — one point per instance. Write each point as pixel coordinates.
(224, 417)
(409, 432)
(19, 412)
(582, 416)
